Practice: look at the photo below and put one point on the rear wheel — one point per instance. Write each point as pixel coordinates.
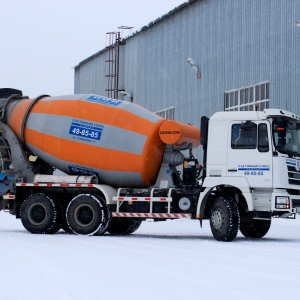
(64, 224)
(123, 226)
(224, 219)
(87, 215)
(40, 213)
(255, 228)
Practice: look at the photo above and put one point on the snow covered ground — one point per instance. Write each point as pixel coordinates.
(164, 260)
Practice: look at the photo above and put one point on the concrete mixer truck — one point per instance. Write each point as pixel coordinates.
(122, 164)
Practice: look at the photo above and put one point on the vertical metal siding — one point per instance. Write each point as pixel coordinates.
(235, 43)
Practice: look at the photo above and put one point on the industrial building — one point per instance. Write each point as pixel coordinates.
(203, 56)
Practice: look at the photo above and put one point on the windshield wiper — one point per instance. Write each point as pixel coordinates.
(292, 154)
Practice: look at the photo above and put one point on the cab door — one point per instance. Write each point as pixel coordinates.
(250, 152)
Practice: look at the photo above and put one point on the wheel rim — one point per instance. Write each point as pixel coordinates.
(37, 214)
(84, 215)
(217, 219)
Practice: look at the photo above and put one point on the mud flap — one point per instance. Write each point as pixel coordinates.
(2, 205)
(7, 202)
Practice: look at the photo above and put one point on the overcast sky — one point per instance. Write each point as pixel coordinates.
(42, 41)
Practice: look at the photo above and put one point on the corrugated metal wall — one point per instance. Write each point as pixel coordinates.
(90, 75)
(235, 43)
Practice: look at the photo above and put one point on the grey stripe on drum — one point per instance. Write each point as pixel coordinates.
(110, 137)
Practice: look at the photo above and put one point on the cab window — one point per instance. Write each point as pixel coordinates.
(244, 136)
(263, 140)
(249, 135)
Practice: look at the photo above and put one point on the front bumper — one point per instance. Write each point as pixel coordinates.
(296, 204)
(291, 207)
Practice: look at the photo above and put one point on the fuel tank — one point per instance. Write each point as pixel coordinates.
(117, 141)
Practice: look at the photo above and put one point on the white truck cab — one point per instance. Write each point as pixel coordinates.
(259, 153)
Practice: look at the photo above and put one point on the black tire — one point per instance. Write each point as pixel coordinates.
(65, 225)
(63, 222)
(255, 228)
(123, 226)
(59, 216)
(40, 213)
(224, 219)
(87, 215)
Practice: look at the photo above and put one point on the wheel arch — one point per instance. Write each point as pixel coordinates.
(107, 192)
(242, 195)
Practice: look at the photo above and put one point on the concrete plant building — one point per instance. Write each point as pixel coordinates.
(203, 56)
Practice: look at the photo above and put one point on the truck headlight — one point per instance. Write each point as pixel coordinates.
(282, 202)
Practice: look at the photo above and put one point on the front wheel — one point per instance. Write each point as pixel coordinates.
(255, 228)
(224, 219)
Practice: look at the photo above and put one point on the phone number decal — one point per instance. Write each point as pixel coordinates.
(254, 170)
(86, 130)
(254, 173)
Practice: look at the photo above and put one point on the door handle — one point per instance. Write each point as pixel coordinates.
(232, 170)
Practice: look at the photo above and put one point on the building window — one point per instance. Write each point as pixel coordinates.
(167, 113)
(250, 98)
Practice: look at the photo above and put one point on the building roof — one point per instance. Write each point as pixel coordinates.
(146, 27)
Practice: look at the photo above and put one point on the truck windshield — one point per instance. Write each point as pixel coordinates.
(286, 135)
